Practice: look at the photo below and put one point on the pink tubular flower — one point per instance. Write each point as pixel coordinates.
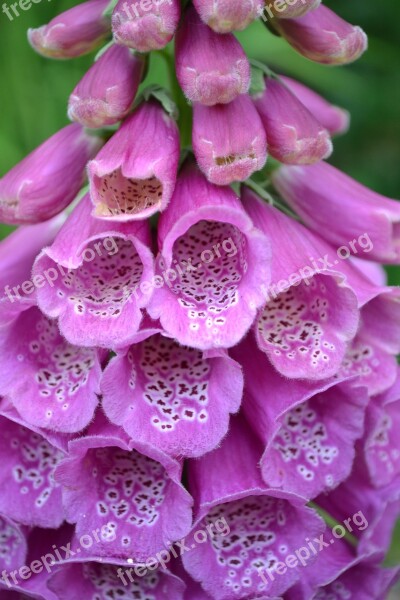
(28, 492)
(211, 265)
(50, 382)
(129, 491)
(336, 120)
(337, 206)
(147, 25)
(172, 397)
(227, 15)
(229, 141)
(324, 37)
(94, 277)
(102, 580)
(134, 175)
(290, 9)
(308, 428)
(309, 316)
(294, 136)
(251, 528)
(74, 32)
(211, 68)
(48, 179)
(106, 92)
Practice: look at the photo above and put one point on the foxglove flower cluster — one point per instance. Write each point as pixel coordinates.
(199, 395)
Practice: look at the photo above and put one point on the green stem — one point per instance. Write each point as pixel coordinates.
(185, 111)
(260, 191)
(263, 68)
(272, 201)
(332, 522)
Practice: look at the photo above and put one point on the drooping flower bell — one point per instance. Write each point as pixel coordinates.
(145, 26)
(48, 179)
(52, 383)
(102, 580)
(294, 135)
(74, 32)
(212, 262)
(308, 428)
(262, 525)
(106, 92)
(309, 316)
(96, 276)
(134, 174)
(321, 35)
(211, 68)
(332, 203)
(224, 152)
(225, 16)
(336, 120)
(127, 487)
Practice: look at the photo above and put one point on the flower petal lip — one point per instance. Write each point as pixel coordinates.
(72, 33)
(51, 383)
(25, 453)
(132, 181)
(324, 37)
(106, 313)
(87, 579)
(288, 416)
(141, 386)
(99, 457)
(48, 179)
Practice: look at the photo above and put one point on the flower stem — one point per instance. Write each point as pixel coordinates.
(185, 111)
(331, 522)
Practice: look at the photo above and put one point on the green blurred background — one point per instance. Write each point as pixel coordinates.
(34, 93)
